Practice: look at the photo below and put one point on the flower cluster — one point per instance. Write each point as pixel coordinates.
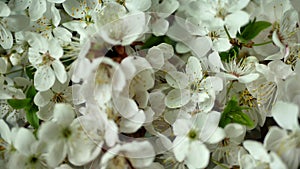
(152, 84)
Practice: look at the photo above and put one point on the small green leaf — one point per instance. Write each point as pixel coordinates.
(31, 92)
(30, 72)
(156, 40)
(243, 119)
(19, 103)
(233, 113)
(232, 53)
(252, 29)
(32, 117)
(153, 41)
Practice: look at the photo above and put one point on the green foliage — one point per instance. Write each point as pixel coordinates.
(232, 53)
(28, 105)
(252, 29)
(156, 40)
(233, 113)
(30, 72)
(19, 103)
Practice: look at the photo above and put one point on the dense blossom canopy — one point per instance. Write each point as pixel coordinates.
(149, 84)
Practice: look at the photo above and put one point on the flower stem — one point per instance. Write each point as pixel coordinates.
(227, 33)
(261, 44)
(219, 164)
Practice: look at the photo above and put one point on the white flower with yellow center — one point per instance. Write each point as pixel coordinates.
(242, 71)
(6, 38)
(44, 55)
(117, 27)
(191, 134)
(63, 134)
(192, 86)
(134, 154)
(285, 141)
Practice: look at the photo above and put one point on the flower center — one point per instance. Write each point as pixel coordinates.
(221, 13)
(58, 98)
(192, 134)
(47, 59)
(66, 132)
(213, 35)
(118, 162)
(33, 159)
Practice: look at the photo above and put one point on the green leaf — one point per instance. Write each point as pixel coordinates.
(31, 92)
(232, 53)
(243, 119)
(252, 29)
(156, 40)
(32, 117)
(153, 41)
(30, 72)
(19, 103)
(233, 113)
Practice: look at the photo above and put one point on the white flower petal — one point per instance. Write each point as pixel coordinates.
(44, 78)
(49, 132)
(6, 38)
(23, 141)
(88, 149)
(160, 27)
(198, 156)
(16, 23)
(5, 132)
(56, 1)
(274, 136)
(3, 65)
(62, 34)
(177, 98)
(181, 48)
(46, 113)
(55, 15)
(60, 71)
(208, 123)
(155, 57)
(55, 50)
(43, 98)
(181, 127)
(4, 9)
(177, 79)
(57, 154)
(217, 136)
(63, 114)
(276, 162)
(73, 8)
(193, 69)
(248, 78)
(286, 115)
(140, 154)
(257, 150)
(132, 124)
(111, 133)
(138, 5)
(125, 106)
(36, 41)
(215, 62)
(235, 131)
(156, 100)
(36, 9)
(181, 148)
(200, 46)
(237, 19)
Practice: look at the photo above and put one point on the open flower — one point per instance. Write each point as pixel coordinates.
(191, 134)
(192, 86)
(63, 134)
(44, 55)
